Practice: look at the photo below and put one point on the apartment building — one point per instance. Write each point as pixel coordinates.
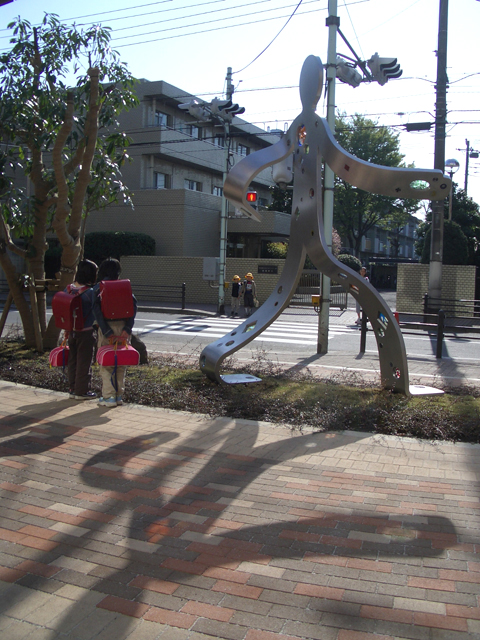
(176, 175)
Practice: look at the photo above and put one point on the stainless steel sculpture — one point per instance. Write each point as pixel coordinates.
(309, 139)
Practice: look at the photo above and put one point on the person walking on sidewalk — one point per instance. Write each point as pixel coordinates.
(111, 331)
(363, 273)
(249, 290)
(81, 344)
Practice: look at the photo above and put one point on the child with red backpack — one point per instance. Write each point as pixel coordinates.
(81, 343)
(112, 327)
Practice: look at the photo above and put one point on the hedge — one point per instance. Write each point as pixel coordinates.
(115, 244)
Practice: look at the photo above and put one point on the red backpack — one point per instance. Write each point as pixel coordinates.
(67, 310)
(116, 299)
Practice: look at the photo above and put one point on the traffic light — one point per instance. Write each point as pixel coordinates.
(383, 69)
(225, 109)
(195, 109)
(252, 198)
(347, 73)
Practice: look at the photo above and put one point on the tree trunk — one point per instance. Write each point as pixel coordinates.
(19, 299)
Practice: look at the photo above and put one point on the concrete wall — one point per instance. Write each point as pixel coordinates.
(181, 222)
(174, 270)
(458, 283)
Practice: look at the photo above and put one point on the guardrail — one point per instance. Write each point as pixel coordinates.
(438, 323)
(155, 293)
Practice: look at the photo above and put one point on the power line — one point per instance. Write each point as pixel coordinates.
(196, 24)
(193, 15)
(272, 41)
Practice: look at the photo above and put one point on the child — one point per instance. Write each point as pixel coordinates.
(363, 273)
(82, 343)
(236, 287)
(113, 381)
(249, 291)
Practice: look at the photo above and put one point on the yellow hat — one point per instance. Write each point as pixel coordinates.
(236, 278)
(249, 275)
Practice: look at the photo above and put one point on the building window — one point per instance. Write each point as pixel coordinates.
(217, 191)
(193, 185)
(263, 202)
(161, 180)
(160, 119)
(192, 130)
(242, 150)
(219, 141)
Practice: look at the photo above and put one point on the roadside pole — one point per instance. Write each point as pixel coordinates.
(332, 22)
(224, 212)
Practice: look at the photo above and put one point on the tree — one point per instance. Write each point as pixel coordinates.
(60, 154)
(455, 244)
(281, 200)
(466, 214)
(357, 211)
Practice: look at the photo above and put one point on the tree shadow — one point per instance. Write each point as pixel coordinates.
(42, 433)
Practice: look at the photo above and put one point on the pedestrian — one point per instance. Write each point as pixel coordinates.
(81, 344)
(363, 273)
(109, 332)
(236, 290)
(249, 290)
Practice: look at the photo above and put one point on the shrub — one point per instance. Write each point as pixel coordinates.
(277, 250)
(350, 261)
(115, 244)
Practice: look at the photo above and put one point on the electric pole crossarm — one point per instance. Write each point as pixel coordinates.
(397, 182)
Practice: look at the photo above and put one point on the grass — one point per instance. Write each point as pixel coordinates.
(294, 399)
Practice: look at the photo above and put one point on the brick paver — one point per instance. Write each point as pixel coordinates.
(144, 523)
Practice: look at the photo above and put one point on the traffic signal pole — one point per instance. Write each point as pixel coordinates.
(332, 22)
(436, 245)
(224, 212)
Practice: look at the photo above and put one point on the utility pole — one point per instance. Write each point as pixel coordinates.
(436, 246)
(224, 213)
(223, 112)
(467, 142)
(332, 22)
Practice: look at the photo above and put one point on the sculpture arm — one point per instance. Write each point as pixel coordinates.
(238, 179)
(386, 181)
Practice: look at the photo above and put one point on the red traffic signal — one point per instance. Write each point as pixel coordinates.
(252, 196)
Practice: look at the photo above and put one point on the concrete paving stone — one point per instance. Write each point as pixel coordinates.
(220, 629)
(18, 630)
(42, 634)
(120, 628)
(93, 623)
(40, 583)
(189, 592)
(18, 601)
(161, 600)
(314, 631)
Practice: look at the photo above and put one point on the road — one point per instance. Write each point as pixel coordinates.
(290, 339)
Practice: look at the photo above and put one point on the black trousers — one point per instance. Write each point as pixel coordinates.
(81, 345)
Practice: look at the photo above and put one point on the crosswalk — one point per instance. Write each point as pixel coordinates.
(299, 333)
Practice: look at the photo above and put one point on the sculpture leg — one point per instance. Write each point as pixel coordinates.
(215, 353)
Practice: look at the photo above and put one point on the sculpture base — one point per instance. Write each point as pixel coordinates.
(422, 390)
(239, 378)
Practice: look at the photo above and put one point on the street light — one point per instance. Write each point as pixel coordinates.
(453, 166)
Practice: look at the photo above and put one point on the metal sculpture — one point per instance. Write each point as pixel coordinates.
(309, 139)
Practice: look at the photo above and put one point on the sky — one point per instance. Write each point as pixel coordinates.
(191, 43)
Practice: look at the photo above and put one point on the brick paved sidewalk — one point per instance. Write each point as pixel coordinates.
(143, 523)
